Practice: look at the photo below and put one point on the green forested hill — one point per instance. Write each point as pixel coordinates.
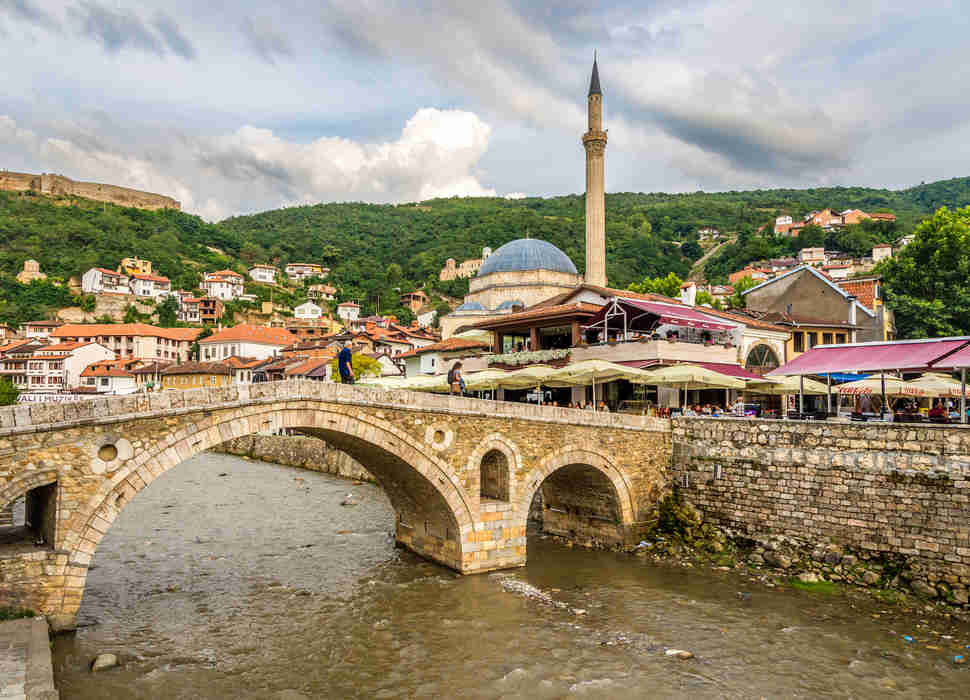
(375, 249)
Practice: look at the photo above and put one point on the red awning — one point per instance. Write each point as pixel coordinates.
(730, 370)
(873, 357)
(961, 358)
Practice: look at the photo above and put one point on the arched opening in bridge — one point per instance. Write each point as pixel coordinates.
(28, 522)
(429, 509)
(494, 476)
(578, 502)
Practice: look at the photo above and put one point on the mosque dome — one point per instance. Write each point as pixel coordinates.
(510, 305)
(527, 254)
(471, 306)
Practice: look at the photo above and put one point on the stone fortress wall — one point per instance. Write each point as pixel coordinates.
(886, 492)
(50, 184)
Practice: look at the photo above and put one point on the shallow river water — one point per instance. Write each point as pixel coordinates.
(228, 578)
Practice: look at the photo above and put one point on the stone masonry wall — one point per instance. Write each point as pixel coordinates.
(901, 491)
(297, 451)
(60, 185)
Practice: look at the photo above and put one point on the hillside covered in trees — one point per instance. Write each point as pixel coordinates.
(373, 250)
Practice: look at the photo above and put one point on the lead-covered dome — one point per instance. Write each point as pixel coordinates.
(527, 254)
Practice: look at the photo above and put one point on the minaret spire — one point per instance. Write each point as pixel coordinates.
(594, 141)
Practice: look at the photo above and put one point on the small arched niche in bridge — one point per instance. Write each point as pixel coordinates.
(28, 513)
(494, 476)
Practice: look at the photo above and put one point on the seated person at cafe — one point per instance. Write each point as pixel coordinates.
(938, 412)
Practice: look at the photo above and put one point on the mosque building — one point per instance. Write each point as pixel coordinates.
(527, 271)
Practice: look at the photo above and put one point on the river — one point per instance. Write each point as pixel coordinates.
(230, 578)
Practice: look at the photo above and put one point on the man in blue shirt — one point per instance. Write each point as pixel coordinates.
(345, 365)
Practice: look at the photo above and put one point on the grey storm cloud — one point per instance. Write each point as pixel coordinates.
(28, 11)
(265, 41)
(120, 29)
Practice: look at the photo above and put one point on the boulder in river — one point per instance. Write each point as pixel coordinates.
(349, 500)
(103, 662)
(680, 654)
(921, 588)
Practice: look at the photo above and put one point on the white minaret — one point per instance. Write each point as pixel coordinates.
(594, 141)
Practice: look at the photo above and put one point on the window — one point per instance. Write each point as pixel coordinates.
(812, 340)
(761, 359)
(212, 380)
(104, 381)
(799, 339)
(826, 339)
(840, 338)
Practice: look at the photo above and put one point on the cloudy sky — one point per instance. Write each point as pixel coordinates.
(239, 106)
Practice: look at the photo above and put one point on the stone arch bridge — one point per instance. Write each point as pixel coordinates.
(460, 473)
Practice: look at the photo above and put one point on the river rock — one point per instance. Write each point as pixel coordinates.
(778, 559)
(349, 500)
(103, 662)
(849, 560)
(960, 596)
(290, 694)
(808, 577)
(870, 577)
(832, 558)
(680, 654)
(923, 589)
(756, 559)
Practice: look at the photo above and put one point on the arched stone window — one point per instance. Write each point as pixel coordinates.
(761, 359)
(494, 476)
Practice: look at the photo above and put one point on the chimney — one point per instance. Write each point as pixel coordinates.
(688, 293)
(852, 309)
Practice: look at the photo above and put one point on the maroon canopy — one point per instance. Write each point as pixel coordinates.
(672, 314)
(873, 357)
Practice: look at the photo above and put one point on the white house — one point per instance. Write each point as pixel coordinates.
(109, 378)
(150, 286)
(263, 273)
(244, 340)
(437, 357)
(348, 311)
(321, 291)
(307, 310)
(98, 280)
(426, 317)
(882, 251)
(301, 271)
(225, 285)
(58, 367)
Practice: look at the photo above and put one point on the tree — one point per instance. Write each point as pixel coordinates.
(737, 301)
(928, 282)
(8, 392)
(691, 250)
(668, 286)
(195, 352)
(168, 312)
(131, 315)
(363, 366)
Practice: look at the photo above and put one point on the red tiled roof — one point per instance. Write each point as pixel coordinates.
(105, 370)
(224, 273)
(151, 278)
(450, 345)
(308, 366)
(245, 332)
(109, 272)
(94, 330)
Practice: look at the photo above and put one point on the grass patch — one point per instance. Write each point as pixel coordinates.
(889, 596)
(820, 587)
(15, 613)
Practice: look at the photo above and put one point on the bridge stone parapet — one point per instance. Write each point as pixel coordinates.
(460, 473)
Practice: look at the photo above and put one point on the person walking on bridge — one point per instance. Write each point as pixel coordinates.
(456, 384)
(345, 364)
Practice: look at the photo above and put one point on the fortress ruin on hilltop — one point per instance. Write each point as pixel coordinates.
(53, 185)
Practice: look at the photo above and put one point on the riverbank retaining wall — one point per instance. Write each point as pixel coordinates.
(297, 451)
(26, 670)
(887, 490)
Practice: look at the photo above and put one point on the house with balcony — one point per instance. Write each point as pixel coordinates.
(324, 292)
(301, 271)
(150, 286)
(99, 280)
(132, 340)
(39, 329)
(224, 285)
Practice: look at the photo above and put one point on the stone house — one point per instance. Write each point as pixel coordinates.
(820, 311)
(30, 272)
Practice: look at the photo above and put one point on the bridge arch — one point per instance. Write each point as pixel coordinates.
(432, 510)
(503, 470)
(28, 482)
(597, 502)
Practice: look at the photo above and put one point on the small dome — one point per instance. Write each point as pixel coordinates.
(527, 254)
(509, 305)
(471, 306)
